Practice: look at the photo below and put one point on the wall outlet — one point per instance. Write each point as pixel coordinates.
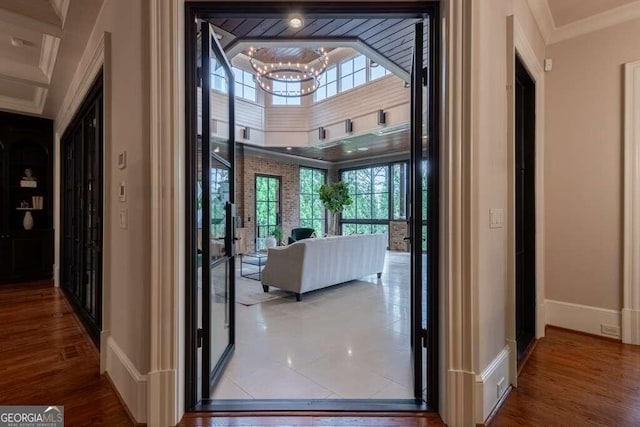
(500, 387)
(610, 330)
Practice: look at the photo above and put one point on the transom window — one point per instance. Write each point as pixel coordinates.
(245, 85)
(285, 88)
(329, 84)
(353, 72)
(376, 71)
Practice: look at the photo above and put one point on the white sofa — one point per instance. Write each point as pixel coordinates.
(311, 264)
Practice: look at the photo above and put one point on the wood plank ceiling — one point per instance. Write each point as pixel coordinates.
(392, 38)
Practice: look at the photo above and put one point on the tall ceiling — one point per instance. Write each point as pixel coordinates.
(567, 11)
(392, 38)
(41, 42)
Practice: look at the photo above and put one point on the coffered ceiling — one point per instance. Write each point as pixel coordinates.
(567, 11)
(35, 37)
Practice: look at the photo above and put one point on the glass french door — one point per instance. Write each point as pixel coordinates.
(212, 222)
(423, 219)
(268, 203)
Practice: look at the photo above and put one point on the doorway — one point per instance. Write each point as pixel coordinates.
(82, 210)
(418, 45)
(525, 224)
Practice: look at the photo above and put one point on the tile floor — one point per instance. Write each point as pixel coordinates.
(347, 341)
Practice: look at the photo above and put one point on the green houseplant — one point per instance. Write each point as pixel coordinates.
(277, 233)
(335, 197)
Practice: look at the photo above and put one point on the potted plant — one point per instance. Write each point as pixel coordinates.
(274, 238)
(335, 197)
(277, 234)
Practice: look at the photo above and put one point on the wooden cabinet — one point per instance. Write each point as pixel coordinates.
(26, 197)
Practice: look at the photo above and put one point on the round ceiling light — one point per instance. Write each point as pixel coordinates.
(296, 21)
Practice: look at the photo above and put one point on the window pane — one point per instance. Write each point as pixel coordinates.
(250, 94)
(346, 83)
(377, 72)
(331, 74)
(332, 89)
(359, 62)
(363, 206)
(360, 78)
(346, 67)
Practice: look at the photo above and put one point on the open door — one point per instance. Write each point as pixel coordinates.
(211, 251)
(423, 214)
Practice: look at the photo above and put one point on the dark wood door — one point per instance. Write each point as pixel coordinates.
(82, 193)
(525, 120)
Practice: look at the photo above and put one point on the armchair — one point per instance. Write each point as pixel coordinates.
(299, 234)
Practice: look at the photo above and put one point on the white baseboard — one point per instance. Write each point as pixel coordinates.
(630, 326)
(131, 384)
(582, 318)
(487, 395)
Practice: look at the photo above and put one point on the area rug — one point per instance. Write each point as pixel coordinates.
(249, 292)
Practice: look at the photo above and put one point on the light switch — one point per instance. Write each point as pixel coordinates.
(496, 218)
(124, 218)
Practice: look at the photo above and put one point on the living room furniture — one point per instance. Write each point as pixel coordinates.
(26, 197)
(257, 259)
(300, 233)
(311, 264)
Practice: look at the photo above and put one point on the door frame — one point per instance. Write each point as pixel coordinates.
(404, 9)
(518, 44)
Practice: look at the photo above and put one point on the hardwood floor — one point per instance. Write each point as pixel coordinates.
(575, 379)
(46, 358)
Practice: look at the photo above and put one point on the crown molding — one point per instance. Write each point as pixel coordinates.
(553, 34)
(61, 7)
(543, 17)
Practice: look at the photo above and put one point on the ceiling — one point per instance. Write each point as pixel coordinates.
(568, 11)
(283, 54)
(354, 148)
(391, 38)
(36, 37)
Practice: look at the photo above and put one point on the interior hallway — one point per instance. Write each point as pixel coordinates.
(46, 358)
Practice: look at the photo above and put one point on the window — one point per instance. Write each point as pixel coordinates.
(353, 72)
(329, 84)
(267, 207)
(376, 71)
(286, 88)
(312, 212)
(218, 77)
(379, 195)
(245, 85)
(400, 190)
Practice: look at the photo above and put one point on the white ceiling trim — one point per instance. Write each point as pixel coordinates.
(542, 14)
(30, 23)
(27, 74)
(61, 7)
(597, 22)
(48, 54)
(34, 106)
(552, 34)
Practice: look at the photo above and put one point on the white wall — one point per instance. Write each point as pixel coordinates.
(490, 177)
(125, 343)
(584, 168)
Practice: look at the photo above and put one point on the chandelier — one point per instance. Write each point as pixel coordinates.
(268, 76)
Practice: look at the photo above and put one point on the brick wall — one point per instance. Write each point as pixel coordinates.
(397, 233)
(247, 166)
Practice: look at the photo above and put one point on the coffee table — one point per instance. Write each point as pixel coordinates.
(258, 259)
